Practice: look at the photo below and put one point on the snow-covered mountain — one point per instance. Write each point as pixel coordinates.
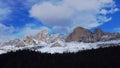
(61, 46)
(56, 43)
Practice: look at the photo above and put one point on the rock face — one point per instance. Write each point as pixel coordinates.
(97, 34)
(110, 36)
(55, 37)
(80, 34)
(43, 35)
(29, 40)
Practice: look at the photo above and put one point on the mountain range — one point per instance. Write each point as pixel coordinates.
(79, 39)
(80, 34)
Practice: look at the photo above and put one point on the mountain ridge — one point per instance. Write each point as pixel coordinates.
(79, 34)
(78, 40)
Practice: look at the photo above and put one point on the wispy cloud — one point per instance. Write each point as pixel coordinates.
(6, 32)
(6, 29)
(30, 29)
(58, 15)
(9, 32)
(117, 29)
(4, 10)
(68, 14)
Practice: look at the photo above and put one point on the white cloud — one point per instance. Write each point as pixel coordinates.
(6, 38)
(55, 14)
(117, 29)
(4, 10)
(71, 13)
(111, 11)
(6, 29)
(9, 32)
(6, 32)
(30, 29)
(30, 3)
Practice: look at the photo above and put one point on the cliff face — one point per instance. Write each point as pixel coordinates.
(80, 34)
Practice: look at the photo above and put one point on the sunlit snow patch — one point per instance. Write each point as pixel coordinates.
(66, 47)
(77, 46)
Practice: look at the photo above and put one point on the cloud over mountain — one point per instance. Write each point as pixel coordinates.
(68, 14)
(6, 32)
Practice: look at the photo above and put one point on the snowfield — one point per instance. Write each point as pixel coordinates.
(66, 47)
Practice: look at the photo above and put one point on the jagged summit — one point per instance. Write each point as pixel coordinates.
(80, 39)
(81, 34)
(40, 37)
(98, 30)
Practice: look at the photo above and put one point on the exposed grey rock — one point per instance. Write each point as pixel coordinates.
(110, 36)
(55, 37)
(80, 34)
(43, 35)
(97, 34)
(29, 40)
(20, 44)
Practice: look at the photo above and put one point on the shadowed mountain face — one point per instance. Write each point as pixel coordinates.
(100, 58)
(80, 34)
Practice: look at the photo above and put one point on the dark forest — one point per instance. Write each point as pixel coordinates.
(99, 58)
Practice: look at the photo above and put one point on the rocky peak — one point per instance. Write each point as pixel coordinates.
(79, 34)
(56, 37)
(29, 40)
(84, 35)
(43, 35)
(81, 30)
(98, 32)
(43, 32)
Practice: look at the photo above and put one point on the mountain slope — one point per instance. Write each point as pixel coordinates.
(61, 47)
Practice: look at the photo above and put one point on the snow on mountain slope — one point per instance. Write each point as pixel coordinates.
(64, 48)
(78, 46)
(56, 43)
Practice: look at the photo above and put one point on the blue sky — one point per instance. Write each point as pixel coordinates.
(114, 24)
(19, 18)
